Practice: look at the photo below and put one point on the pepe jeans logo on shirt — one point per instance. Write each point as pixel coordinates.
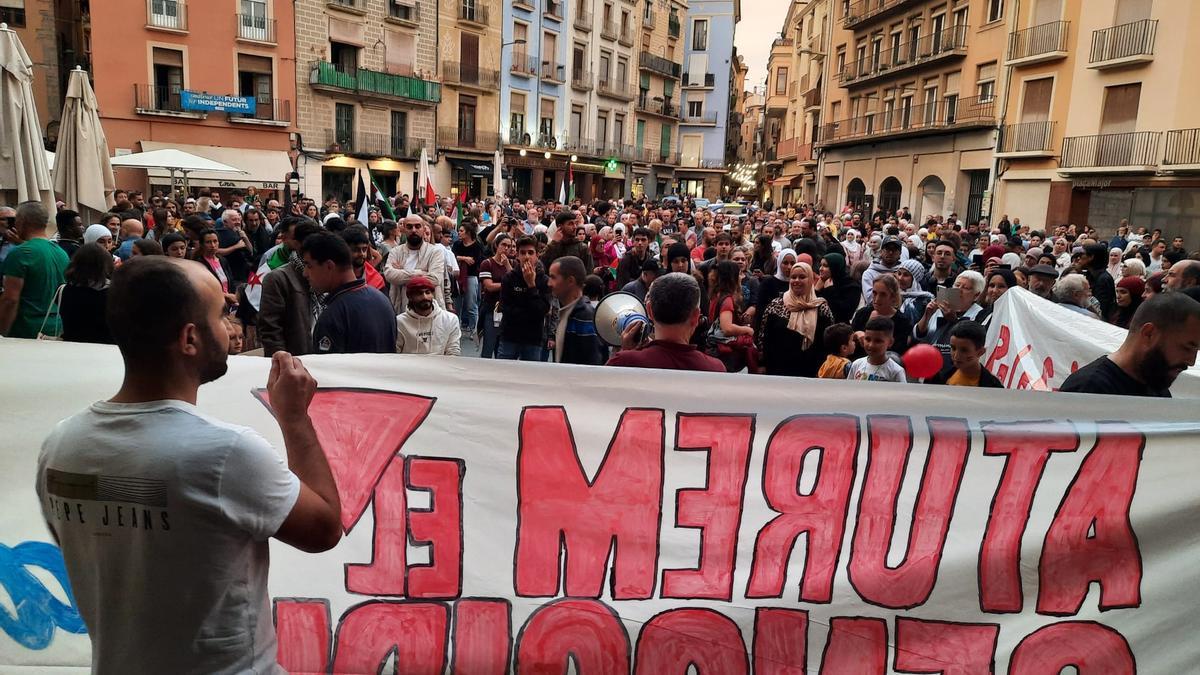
(120, 498)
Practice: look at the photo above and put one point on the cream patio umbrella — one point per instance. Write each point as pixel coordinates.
(23, 169)
(173, 160)
(498, 175)
(83, 177)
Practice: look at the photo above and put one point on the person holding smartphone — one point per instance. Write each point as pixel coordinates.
(952, 305)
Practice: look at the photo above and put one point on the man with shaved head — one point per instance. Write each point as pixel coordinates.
(163, 513)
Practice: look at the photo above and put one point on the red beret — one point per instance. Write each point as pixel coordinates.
(419, 283)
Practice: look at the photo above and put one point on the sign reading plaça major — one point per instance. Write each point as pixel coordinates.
(521, 517)
(196, 100)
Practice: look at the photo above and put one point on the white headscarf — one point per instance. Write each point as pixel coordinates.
(779, 265)
(95, 233)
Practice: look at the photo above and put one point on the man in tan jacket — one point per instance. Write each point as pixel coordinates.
(416, 257)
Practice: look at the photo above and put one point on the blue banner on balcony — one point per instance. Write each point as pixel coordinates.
(194, 100)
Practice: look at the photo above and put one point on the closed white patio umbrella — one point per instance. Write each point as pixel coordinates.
(23, 169)
(83, 177)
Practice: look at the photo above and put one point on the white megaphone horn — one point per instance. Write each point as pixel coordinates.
(616, 312)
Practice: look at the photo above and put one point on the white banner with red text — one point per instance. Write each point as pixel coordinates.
(1033, 343)
(533, 518)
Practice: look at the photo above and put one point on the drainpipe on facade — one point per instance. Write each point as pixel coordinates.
(998, 135)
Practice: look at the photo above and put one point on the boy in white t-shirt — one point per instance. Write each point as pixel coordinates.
(876, 366)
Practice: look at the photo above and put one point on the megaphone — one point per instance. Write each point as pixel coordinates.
(615, 313)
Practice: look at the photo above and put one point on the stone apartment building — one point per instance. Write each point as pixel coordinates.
(1099, 122)
(369, 92)
(801, 50)
(468, 116)
(658, 113)
(708, 98)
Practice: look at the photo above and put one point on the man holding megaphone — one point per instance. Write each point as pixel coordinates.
(673, 306)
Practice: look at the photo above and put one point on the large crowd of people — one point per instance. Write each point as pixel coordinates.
(780, 290)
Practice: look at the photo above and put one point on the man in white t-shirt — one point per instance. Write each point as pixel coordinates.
(164, 513)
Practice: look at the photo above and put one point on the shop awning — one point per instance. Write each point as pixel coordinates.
(472, 167)
(265, 169)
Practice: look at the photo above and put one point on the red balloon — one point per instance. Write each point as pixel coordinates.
(923, 361)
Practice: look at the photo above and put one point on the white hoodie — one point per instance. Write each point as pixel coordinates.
(438, 333)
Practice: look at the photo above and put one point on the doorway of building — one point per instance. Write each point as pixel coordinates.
(889, 195)
(933, 197)
(856, 191)
(979, 184)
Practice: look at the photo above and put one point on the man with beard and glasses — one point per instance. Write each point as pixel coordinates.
(1163, 338)
(417, 257)
(162, 512)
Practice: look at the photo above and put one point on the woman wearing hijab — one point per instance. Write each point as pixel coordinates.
(853, 248)
(1129, 298)
(772, 287)
(1114, 262)
(793, 327)
(837, 288)
(913, 296)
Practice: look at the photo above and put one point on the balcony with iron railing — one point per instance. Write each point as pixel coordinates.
(1026, 139)
(1123, 45)
(659, 107)
(706, 81)
(474, 12)
(1037, 44)
(804, 153)
(267, 112)
(947, 43)
(374, 84)
(865, 10)
(1131, 152)
(609, 30)
(812, 98)
(524, 64)
(166, 15)
(553, 72)
(919, 120)
(364, 144)
(1183, 150)
(785, 149)
(406, 14)
(581, 79)
(470, 75)
(468, 139)
(660, 65)
(703, 119)
(627, 35)
(149, 99)
(583, 18)
(255, 28)
(612, 88)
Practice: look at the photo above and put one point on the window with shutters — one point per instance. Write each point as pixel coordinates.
(399, 129)
(618, 133)
(516, 118)
(400, 52)
(601, 128)
(699, 35)
(1035, 105)
(995, 10)
(546, 120)
(344, 57)
(1121, 108)
(781, 81)
(343, 126)
(167, 87)
(985, 80)
(254, 80)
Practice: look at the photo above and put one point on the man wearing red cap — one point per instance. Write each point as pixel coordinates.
(426, 328)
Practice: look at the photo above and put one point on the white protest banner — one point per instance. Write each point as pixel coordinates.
(1033, 343)
(515, 517)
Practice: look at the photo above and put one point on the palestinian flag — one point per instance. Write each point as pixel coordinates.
(460, 210)
(273, 259)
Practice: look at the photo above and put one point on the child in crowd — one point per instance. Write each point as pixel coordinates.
(839, 341)
(876, 366)
(966, 349)
(236, 334)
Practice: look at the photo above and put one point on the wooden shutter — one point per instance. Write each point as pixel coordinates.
(1036, 105)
